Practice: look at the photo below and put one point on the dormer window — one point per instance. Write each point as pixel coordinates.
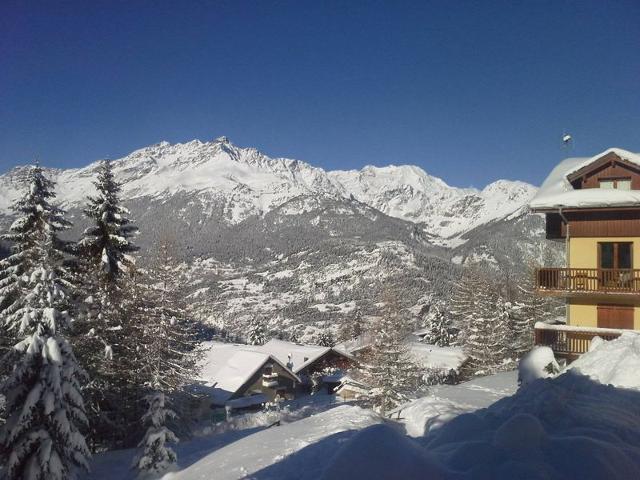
(615, 183)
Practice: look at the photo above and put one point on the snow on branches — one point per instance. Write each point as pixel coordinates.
(45, 411)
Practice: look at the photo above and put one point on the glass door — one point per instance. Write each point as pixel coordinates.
(615, 261)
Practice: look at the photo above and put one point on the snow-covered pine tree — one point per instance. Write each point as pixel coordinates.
(388, 368)
(440, 330)
(462, 302)
(42, 437)
(257, 334)
(107, 243)
(326, 339)
(156, 457)
(351, 327)
(103, 334)
(168, 354)
(485, 328)
(529, 309)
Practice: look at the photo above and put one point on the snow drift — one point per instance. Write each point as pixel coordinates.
(571, 426)
(614, 363)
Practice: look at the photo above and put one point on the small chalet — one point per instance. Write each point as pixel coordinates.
(307, 360)
(235, 377)
(592, 206)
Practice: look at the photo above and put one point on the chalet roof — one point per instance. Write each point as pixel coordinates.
(556, 191)
(227, 367)
(301, 355)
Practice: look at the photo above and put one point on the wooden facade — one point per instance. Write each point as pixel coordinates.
(608, 167)
(331, 360)
(603, 222)
(271, 380)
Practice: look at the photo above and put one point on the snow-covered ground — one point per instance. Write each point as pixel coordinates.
(445, 402)
(306, 444)
(572, 426)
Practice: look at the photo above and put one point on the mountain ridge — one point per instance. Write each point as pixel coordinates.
(248, 182)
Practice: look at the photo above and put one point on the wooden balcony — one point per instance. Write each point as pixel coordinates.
(567, 281)
(570, 342)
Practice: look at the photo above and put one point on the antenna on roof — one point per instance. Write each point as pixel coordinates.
(567, 142)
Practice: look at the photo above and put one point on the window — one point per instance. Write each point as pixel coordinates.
(615, 255)
(623, 184)
(615, 183)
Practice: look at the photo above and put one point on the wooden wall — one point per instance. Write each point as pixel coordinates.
(594, 223)
(608, 167)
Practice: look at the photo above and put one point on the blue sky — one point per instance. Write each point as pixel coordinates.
(470, 91)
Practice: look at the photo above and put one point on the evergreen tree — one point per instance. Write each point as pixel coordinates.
(42, 437)
(351, 327)
(167, 350)
(388, 368)
(529, 309)
(156, 457)
(462, 302)
(440, 330)
(107, 243)
(485, 327)
(326, 339)
(105, 331)
(257, 333)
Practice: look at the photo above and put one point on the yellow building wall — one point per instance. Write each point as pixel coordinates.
(584, 312)
(583, 253)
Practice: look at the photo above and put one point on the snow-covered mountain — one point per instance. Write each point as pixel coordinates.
(241, 182)
(302, 247)
(408, 192)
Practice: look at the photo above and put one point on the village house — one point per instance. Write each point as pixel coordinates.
(240, 377)
(325, 365)
(236, 377)
(592, 205)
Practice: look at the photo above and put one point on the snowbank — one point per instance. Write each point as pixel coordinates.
(616, 362)
(382, 453)
(538, 363)
(566, 427)
(444, 402)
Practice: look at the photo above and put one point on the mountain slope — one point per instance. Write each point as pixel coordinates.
(298, 246)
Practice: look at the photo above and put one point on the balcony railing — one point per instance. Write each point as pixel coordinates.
(571, 342)
(615, 280)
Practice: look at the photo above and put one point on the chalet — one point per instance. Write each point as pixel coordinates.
(307, 360)
(592, 205)
(236, 377)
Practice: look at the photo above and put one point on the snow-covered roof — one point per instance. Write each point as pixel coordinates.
(432, 356)
(301, 355)
(556, 191)
(226, 367)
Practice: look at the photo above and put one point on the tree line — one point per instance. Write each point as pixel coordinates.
(96, 351)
